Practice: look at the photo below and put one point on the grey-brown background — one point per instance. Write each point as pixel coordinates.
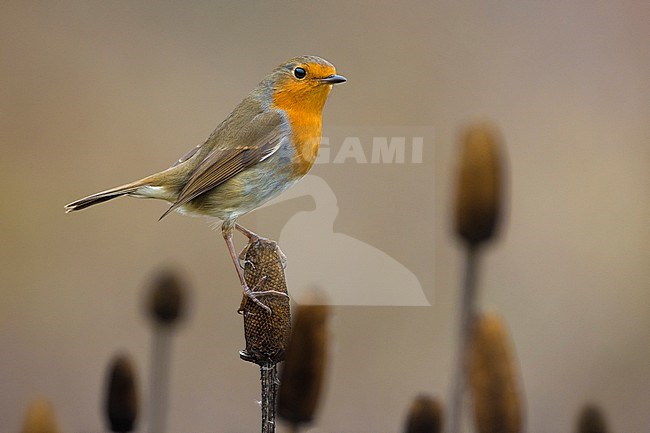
(94, 94)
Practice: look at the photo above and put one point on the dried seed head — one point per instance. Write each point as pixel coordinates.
(493, 378)
(121, 395)
(267, 336)
(425, 415)
(40, 417)
(479, 193)
(301, 378)
(591, 420)
(167, 298)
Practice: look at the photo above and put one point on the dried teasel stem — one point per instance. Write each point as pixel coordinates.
(477, 214)
(301, 378)
(40, 417)
(467, 313)
(267, 336)
(121, 395)
(269, 381)
(493, 377)
(166, 306)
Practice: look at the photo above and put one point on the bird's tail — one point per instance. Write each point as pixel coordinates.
(100, 197)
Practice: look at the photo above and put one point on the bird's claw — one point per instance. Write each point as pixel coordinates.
(243, 262)
(241, 259)
(253, 294)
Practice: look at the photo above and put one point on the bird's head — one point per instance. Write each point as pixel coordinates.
(303, 83)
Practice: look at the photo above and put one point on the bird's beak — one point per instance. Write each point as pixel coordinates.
(333, 79)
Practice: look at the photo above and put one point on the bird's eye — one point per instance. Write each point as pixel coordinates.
(299, 73)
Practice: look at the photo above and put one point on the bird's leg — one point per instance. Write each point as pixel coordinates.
(226, 231)
(253, 237)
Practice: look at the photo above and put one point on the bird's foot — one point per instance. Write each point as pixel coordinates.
(252, 236)
(242, 260)
(253, 294)
(251, 240)
(242, 255)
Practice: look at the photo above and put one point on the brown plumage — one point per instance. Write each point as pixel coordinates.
(268, 142)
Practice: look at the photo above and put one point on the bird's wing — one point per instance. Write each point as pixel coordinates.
(253, 143)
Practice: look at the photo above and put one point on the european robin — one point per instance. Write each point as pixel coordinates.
(266, 144)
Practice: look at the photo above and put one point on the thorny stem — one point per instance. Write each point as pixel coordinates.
(270, 382)
(467, 314)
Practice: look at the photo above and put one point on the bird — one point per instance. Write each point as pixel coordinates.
(264, 146)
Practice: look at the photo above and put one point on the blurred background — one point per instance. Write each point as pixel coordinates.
(95, 94)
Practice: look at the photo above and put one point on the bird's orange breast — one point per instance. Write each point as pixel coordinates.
(304, 112)
(306, 140)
